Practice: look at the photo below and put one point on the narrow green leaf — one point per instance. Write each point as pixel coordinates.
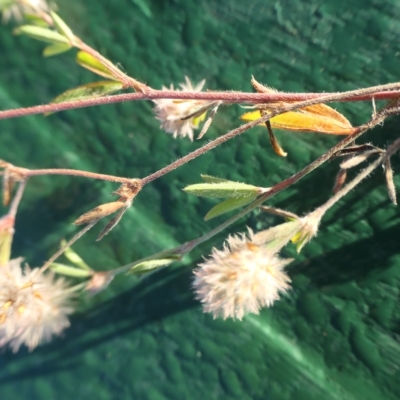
(223, 190)
(150, 265)
(69, 271)
(87, 61)
(34, 19)
(55, 49)
(39, 33)
(213, 179)
(229, 205)
(62, 27)
(90, 90)
(74, 257)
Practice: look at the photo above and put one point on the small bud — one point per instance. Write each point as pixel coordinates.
(389, 182)
(99, 212)
(99, 282)
(340, 180)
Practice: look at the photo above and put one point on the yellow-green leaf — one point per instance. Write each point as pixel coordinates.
(55, 49)
(34, 19)
(213, 179)
(150, 265)
(90, 90)
(229, 205)
(87, 61)
(318, 118)
(69, 271)
(72, 256)
(62, 27)
(278, 236)
(39, 33)
(5, 4)
(223, 190)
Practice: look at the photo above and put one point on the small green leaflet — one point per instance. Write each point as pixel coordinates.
(87, 61)
(74, 257)
(39, 33)
(69, 271)
(147, 266)
(229, 205)
(62, 27)
(213, 179)
(55, 49)
(90, 90)
(278, 236)
(5, 4)
(223, 190)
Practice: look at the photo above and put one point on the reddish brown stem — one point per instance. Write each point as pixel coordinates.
(383, 92)
(74, 172)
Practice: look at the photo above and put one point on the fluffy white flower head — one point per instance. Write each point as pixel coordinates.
(170, 112)
(242, 278)
(18, 8)
(33, 306)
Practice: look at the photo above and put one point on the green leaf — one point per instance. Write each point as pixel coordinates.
(87, 61)
(74, 257)
(229, 205)
(150, 265)
(213, 179)
(62, 27)
(55, 49)
(278, 236)
(224, 190)
(69, 271)
(34, 19)
(90, 90)
(5, 4)
(39, 33)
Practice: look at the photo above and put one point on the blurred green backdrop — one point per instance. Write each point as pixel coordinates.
(336, 334)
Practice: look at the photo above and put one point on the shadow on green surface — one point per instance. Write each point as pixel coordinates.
(154, 298)
(167, 292)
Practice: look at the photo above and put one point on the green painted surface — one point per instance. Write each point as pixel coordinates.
(335, 335)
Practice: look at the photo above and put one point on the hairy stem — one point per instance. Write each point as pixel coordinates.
(382, 92)
(75, 172)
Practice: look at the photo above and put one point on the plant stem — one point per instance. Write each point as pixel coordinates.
(75, 172)
(288, 107)
(12, 212)
(393, 148)
(58, 253)
(189, 246)
(382, 92)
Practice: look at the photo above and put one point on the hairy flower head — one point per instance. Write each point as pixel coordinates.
(173, 113)
(18, 8)
(240, 279)
(33, 306)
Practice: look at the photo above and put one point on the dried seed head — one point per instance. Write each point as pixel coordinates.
(242, 278)
(173, 113)
(129, 190)
(33, 306)
(18, 8)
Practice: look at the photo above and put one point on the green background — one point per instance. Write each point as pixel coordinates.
(336, 334)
